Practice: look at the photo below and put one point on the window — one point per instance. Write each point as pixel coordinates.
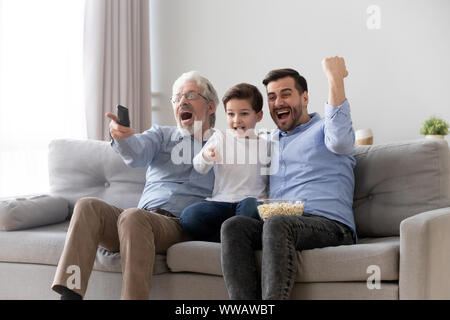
(41, 87)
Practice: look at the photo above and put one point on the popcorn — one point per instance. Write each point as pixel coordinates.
(269, 209)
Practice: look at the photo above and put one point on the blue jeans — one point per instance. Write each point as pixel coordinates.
(279, 237)
(204, 219)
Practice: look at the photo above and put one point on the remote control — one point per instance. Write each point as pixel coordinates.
(122, 114)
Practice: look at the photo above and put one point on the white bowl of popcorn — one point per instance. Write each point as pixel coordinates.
(271, 207)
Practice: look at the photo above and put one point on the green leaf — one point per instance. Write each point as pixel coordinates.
(434, 126)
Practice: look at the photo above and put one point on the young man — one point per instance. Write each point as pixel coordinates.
(141, 233)
(315, 161)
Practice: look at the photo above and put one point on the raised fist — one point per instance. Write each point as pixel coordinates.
(334, 68)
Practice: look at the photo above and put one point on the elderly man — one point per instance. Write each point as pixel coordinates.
(315, 163)
(151, 228)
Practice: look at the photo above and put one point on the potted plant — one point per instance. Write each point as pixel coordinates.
(434, 128)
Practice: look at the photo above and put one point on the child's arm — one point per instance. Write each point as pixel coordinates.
(204, 160)
(210, 154)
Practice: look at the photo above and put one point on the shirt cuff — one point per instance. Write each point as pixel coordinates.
(112, 139)
(121, 145)
(201, 165)
(331, 111)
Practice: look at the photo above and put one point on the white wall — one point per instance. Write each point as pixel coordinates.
(399, 74)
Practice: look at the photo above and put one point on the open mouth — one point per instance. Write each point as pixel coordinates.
(185, 115)
(283, 114)
(239, 130)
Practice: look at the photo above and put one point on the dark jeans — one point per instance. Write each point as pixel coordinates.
(279, 237)
(203, 219)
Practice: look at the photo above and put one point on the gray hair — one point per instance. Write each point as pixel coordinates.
(208, 89)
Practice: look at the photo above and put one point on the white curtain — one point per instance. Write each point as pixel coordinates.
(116, 63)
(41, 87)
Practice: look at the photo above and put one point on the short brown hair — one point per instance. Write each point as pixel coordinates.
(274, 75)
(244, 91)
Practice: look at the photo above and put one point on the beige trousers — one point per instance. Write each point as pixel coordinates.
(138, 234)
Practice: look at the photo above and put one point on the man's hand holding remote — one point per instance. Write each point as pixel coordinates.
(117, 131)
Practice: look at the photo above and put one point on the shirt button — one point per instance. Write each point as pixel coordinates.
(107, 184)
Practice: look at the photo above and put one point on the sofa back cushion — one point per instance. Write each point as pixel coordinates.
(392, 181)
(397, 180)
(81, 168)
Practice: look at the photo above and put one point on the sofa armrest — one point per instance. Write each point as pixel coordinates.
(425, 256)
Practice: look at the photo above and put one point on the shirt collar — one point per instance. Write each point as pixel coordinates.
(178, 135)
(302, 127)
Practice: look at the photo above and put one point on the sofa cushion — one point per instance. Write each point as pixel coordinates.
(341, 263)
(33, 211)
(350, 262)
(398, 180)
(195, 256)
(90, 168)
(44, 245)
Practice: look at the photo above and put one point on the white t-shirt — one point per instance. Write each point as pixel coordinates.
(242, 170)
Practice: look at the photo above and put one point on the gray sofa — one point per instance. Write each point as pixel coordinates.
(402, 213)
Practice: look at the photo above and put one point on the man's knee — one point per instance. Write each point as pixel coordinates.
(234, 225)
(88, 207)
(277, 224)
(130, 218)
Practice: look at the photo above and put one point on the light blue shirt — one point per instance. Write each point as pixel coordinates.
(171, 181)
(316, 164)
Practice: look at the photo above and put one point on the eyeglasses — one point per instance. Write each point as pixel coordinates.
(191, 95)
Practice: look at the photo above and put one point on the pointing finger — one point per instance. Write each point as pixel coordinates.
(112, 116)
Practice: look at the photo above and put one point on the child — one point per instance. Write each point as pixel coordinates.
(239, 179)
